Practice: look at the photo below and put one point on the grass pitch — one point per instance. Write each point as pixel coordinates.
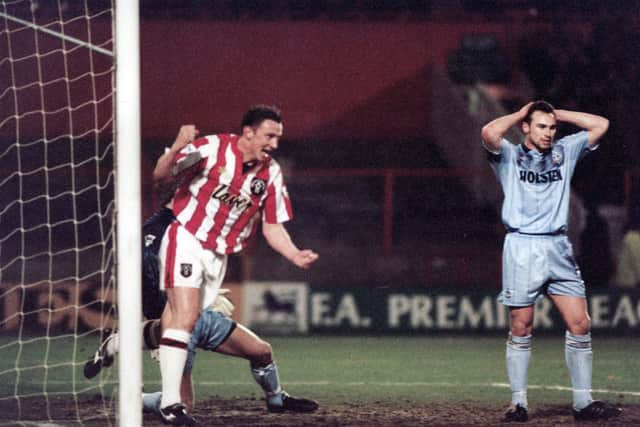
(419, 369)
(366, 372)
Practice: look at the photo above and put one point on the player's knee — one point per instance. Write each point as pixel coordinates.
(521, 321)
(265, 352)
(521, 328)
(151, 334)
(262, 354)
(580, 326)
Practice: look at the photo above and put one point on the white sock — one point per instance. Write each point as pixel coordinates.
(173, 355)
(579, 356)
(113, 344)
(518, 357)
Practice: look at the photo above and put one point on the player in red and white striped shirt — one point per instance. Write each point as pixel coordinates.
(228, 184)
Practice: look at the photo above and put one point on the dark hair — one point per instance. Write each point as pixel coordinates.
(259, 113)
(543, 106)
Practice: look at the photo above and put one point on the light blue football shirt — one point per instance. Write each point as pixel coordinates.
(537, 185)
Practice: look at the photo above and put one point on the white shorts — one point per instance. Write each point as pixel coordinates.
(184, 263)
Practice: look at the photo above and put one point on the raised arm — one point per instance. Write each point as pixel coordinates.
(163, 171)
(278, 238)
(596, 125)
(493, 131)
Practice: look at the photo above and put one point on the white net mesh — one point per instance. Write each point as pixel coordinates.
(56, 206)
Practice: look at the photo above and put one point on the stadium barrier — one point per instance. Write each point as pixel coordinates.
(61, 307)
(400, 310)
(279, 308)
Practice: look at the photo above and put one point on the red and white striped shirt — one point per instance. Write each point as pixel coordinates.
(218, 203)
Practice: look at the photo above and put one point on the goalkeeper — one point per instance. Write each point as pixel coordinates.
(214, 331)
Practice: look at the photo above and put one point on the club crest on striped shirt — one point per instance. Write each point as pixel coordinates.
(258, 186)
(186, 269)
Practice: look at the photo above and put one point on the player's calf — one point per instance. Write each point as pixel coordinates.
(104, 356)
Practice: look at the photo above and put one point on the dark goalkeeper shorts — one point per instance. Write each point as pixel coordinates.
(153, 299)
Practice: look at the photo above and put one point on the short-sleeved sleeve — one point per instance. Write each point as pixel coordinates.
(277, 205)
(190, 157)
(502, 157)
(577, 145)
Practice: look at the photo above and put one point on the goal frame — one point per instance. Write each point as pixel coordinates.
(128, 210)
(125, 31)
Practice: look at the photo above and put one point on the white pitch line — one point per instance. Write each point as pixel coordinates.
(427, 384)
(389, 384)
(36, 424)
(564, 388)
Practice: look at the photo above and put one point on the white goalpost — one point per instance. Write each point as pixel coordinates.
(69, 210)
(129, 211)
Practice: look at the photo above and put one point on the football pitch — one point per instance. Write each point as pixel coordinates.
(419, 369)
(363, 380)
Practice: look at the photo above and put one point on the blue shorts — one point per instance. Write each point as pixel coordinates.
(212, 329)
(535, 265)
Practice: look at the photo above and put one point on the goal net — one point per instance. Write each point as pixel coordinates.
(57, 222)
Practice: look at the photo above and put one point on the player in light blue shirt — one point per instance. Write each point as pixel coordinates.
(537, 258)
